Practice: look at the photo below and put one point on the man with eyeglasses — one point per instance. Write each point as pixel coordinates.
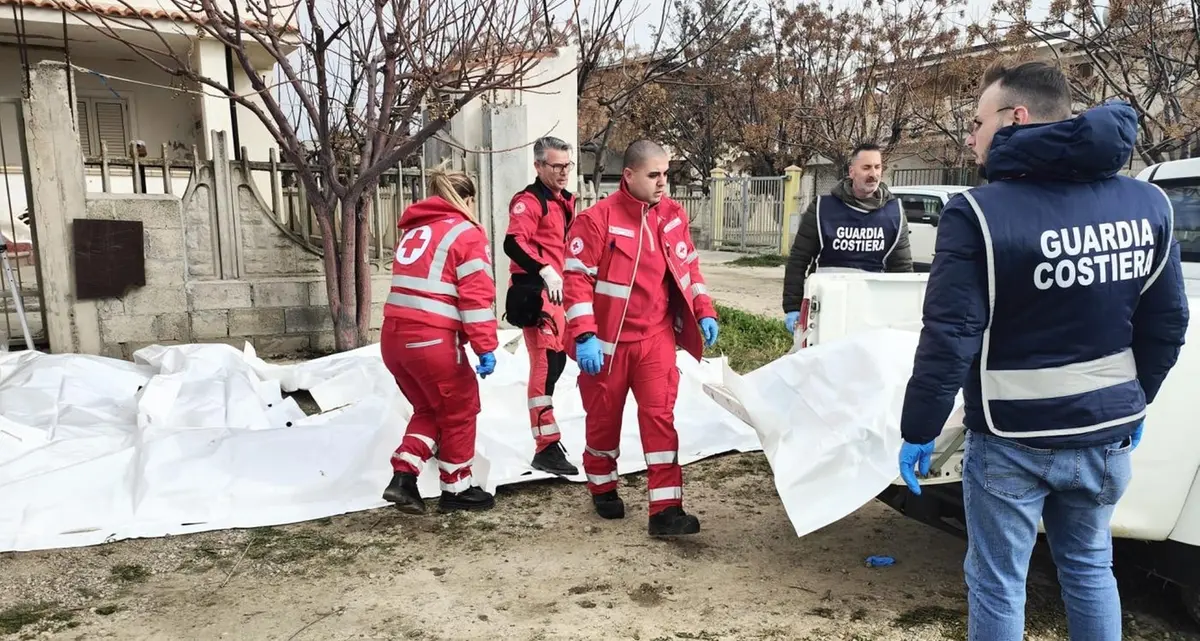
(538, 219)
(1056, 302)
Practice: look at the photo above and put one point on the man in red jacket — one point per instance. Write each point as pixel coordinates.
(538, 217)
(633, 292)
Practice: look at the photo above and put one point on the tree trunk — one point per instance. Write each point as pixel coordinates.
(324, 213)
(363, 267)
(347, 269)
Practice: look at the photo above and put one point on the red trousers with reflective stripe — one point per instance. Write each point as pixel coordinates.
(546, 362)
(433, 373)
(648, 368)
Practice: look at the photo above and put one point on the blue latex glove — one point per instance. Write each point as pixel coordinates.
(914, 456)
(487, 365)
(710, 329)
(790, 321)
(589, 356)
(1136, 437)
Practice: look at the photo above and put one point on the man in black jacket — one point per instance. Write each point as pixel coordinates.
(858, 226)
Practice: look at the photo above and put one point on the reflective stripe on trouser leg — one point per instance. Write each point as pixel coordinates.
(655, 384)
(455, 477)
(414, 450)
(459, 409)
(604, 401)
(418, 443)
(544, 370)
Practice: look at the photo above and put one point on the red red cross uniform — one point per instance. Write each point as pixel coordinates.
(536, 239)
(441, 300)
(633, 279)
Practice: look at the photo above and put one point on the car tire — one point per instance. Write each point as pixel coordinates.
(1191, 603)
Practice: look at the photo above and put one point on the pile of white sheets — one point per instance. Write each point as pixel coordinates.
(200, 437)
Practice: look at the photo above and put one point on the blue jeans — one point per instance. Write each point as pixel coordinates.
(1007, 488)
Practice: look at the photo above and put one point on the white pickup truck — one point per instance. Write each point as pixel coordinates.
(1157, 524)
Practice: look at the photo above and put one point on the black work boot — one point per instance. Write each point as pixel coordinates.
(673, 521)
(472, 498)
(553, 459)
(609, 505)
(403, 492)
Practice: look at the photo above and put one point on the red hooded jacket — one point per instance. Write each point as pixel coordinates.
(631, 266)
(442, 274)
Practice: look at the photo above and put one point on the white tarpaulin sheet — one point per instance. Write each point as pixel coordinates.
(828, 418)
(199, 437)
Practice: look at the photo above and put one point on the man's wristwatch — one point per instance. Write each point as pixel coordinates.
(583, 338)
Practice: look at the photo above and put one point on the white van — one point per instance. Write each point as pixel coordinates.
(1156, 526)
(922, 206)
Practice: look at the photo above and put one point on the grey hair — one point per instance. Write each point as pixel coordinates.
(548, 142)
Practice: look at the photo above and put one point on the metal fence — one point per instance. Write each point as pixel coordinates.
(16, 226)
(965, 176)
(753, 220)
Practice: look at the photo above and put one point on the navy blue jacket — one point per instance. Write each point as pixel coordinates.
(1056, 297)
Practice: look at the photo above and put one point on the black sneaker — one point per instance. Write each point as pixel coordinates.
(403, 492)
(553, 459)
(472, 498)
(609, 505)
(673, 521)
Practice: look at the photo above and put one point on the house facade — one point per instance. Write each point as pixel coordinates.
(120, 98)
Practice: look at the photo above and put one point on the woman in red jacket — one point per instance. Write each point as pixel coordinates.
(441, 300)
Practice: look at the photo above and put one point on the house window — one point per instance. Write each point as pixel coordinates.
(103, 120)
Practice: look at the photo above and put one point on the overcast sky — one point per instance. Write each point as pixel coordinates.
(649, 12)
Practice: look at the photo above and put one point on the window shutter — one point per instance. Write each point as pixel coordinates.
(85, 132)
(110, 127)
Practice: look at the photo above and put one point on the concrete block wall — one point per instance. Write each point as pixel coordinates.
(280, 315)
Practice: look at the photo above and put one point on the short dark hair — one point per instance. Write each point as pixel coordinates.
(639, 151)
(1040, 87)
(864, 146)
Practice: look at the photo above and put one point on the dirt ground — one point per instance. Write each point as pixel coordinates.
(758, 290)
(542, 567)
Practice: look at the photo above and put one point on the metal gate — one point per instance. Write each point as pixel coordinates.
(754, 213)
(16, 224)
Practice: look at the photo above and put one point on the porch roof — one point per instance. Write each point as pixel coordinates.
(117, 10)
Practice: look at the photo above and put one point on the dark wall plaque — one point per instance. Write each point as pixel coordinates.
(110, 257)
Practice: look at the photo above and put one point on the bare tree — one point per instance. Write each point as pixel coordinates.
(1146, 52)
(944, 93)
(613, 72)
(370, 82)
(858, 66)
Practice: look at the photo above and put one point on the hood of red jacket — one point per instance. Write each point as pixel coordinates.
(430, 210)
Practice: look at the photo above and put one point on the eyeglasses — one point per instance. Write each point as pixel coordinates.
(560, 168)
(976, 124)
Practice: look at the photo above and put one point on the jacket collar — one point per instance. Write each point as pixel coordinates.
(541, 189)
(631, 203)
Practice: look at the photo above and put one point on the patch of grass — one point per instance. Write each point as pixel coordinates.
(749, 340)
(760, 260)
(129, 573)
(279, 546)
(17, 616)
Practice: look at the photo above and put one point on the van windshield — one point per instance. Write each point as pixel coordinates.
(1185, 197)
